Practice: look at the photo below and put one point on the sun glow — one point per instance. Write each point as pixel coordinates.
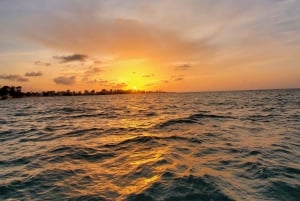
(137, 74)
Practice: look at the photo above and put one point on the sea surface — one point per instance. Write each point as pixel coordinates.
(242, 145)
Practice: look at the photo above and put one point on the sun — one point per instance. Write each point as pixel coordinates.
(134, 88)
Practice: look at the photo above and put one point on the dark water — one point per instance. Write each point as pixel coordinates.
(196, 146)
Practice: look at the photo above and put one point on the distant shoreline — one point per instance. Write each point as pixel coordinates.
(7, 92)
(15, 92)
(237, 90)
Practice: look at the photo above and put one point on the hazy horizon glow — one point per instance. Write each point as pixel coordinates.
(169, 45)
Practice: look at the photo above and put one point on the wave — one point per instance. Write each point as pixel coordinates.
(46, 181)
(91, 197)
(150, 114)
(16, 162)
(190, 188)
(3, 121)
(281, 190)
(7, 135)
(153, 139)
(262, 118)
(22, 114)
(71, 110)
(70, 153)
(102, 115)
(192, 119)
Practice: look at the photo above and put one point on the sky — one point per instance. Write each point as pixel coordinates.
(169, 45)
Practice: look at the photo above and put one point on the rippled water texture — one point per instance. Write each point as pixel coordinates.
(192, 146)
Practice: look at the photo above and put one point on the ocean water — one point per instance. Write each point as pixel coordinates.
(171, 146)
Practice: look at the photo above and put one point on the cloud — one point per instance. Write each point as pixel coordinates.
(101, 82)
(151, 84)
(65, 80)
(40, 63)
(122, 38)
(17, 78)
(90, 73)
(183, 67)
(148, 76)
(118, 85)
(177, 78)
(33, 74)
(110, 84)
(93, 70)
(71, 58)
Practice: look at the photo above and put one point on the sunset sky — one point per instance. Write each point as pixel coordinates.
(171, 45)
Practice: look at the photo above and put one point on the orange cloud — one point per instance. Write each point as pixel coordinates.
(33, 74)
(123, 38)
(70, 58)
(40, 63)
(65, 80)
(10, 77)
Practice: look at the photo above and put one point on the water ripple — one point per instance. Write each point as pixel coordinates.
(190, 146)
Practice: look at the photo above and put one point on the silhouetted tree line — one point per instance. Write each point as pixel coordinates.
(16, 92)
(11, 92)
